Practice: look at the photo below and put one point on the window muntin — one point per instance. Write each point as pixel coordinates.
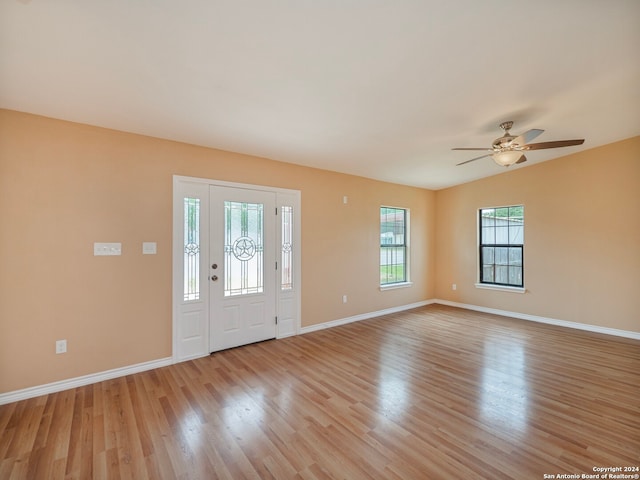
(191, 249)
(393, 245)
(501, 246)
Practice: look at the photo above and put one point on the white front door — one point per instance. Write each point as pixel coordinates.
(242, 266)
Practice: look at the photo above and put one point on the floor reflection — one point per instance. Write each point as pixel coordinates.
(505, 391)
(393, 394)
(191, 429)
(243, 414)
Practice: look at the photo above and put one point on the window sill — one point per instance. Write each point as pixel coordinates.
(393, 286)
(502, 288)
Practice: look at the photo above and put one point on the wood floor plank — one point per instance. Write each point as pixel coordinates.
(436, 393)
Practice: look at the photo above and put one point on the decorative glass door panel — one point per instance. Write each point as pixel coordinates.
(191, 249)
(243, 248)
(286, 278)
(242, 266)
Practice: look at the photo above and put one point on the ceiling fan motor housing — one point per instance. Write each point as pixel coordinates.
(503, 143)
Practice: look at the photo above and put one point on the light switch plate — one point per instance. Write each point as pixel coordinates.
(149, 248)
(105, 249)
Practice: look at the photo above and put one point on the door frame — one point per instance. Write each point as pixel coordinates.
(190, 331)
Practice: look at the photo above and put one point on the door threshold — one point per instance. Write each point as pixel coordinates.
(245, 345)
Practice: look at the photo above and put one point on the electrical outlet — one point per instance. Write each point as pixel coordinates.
(454, 286)
(61, 346)
(344, 299)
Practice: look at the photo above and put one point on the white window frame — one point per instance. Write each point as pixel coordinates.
(407, 252)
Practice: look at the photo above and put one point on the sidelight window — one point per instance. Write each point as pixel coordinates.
(191, 249)
(286, 262)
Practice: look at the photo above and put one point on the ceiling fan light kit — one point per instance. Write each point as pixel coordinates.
(507, 158)
(508, 150)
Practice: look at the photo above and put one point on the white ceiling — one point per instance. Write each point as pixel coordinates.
(378, 88)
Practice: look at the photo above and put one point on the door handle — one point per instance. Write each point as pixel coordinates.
(214, 278)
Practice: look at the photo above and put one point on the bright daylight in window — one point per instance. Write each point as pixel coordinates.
(501, 246)
(393, 245)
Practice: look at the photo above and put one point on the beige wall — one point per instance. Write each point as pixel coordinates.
(64, 186)
(582, 237)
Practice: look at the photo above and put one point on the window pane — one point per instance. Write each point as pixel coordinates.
(487, 217)
(502, 212)
(515, 256)
(392, 265)
(502, 232)
(516, 232)
(515, 275)
(487, 273)
(287, 248)
(488, 235)
(502, 274)
(502, 256)
(191, 249)
(516, 213)
(392, 228)
(488, 255)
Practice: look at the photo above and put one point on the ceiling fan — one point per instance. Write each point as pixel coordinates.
(508, 149)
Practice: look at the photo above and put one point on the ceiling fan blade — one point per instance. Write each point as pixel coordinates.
(482, 149)
(522, 159)
(559, 143)
(527, 136)
(473, 159)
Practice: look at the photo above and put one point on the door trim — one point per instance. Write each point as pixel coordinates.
(288, 304)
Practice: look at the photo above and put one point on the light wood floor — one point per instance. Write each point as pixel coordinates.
(432, 393)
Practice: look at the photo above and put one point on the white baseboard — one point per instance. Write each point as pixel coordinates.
(363, 316)
(552, 321)
(522, 316)
(54, 387)
(36, 391)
